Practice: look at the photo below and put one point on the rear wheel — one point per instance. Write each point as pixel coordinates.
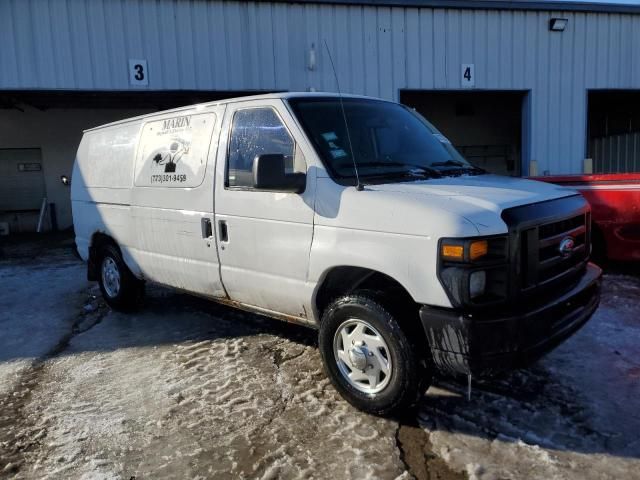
(120, 288)
(368, 357)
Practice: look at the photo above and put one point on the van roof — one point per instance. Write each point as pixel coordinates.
(283, 95)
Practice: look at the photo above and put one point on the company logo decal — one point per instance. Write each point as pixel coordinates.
(566, 246)
(171, 156)
(176, 123)
(167, 157)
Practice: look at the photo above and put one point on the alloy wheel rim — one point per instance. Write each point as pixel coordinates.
(362, 356)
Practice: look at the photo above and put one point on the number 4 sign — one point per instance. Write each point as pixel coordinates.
(138, 73)
(468, 79)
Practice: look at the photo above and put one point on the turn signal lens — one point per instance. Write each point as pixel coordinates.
(453, 251)
(478, 249)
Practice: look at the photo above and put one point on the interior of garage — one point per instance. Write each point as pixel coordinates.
(485, 126)
(39, 136)
(614, 130)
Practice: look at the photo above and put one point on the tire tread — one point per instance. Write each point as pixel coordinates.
(413, 381)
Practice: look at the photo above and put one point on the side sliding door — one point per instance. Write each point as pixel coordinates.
(172, 201)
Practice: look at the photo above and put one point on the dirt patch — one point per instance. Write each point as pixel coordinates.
(416, 452)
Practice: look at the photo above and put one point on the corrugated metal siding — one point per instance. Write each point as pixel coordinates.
(616, 153)
(210, 45)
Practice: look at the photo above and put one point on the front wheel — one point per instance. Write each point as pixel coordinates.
(120, 288)
(369, 358)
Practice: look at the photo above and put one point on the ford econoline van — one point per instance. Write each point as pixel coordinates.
(351, 215)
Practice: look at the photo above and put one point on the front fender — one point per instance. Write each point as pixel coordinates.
(410, 260)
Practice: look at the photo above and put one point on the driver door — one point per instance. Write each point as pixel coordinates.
(263, 237)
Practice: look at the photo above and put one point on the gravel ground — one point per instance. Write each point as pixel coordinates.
(187, 388)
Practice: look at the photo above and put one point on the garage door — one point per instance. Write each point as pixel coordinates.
(614, 131)
(21, 179)
(485, 126)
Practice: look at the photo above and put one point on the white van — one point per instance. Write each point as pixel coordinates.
(407, 259)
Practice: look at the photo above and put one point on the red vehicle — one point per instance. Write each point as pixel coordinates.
(615, 204)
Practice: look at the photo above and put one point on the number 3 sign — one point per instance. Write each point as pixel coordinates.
(138, 73)
(468, 79)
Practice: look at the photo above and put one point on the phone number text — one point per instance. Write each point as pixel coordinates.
(168, 178)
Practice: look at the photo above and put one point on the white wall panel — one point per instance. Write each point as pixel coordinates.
(214, 45)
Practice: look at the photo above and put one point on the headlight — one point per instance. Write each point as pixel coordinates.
(461, 250)
(473, 271)
(477, 283)
(472, 251)
(478, 249)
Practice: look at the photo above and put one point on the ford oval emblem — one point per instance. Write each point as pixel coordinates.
(566, 246)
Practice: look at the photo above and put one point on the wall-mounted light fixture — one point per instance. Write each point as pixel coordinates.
(558, 24)
(65, 180)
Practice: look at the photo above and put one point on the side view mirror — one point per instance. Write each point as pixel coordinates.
(269, 174)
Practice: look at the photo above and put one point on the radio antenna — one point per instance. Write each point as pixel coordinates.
(359, 186)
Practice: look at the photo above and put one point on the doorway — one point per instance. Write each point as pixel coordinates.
(485, 126)
(613, 126)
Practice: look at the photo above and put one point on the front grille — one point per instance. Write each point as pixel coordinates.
(542, 258)
(538, 270)
(558, 228)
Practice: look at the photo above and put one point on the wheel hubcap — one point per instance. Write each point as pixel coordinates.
(362, 356)
(358, 356)
(110, 277)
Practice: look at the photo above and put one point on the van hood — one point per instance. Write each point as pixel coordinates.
(479, 198)
(462, 206)
(492, 192)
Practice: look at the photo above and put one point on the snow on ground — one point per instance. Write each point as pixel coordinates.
(29, 294)
(183, 389)
(575, 414)
(186, 388)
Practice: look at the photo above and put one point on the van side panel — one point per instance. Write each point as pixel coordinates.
(172, 201)
(101, 187)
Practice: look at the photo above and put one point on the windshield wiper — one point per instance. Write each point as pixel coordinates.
(448, 163)
(413, 166)
(424, 169)
(458, 168)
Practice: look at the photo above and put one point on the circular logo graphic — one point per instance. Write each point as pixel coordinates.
(566, 246)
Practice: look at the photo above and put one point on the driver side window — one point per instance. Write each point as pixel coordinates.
(256, 131)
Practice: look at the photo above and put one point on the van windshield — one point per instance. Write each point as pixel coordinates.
(389, 141)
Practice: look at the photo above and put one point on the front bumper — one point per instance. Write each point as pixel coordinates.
(480, 344)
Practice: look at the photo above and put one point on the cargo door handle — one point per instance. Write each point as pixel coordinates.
(207, 231)
(224, 232)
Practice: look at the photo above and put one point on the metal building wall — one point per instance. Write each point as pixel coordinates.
(616, 153)
(212, 45)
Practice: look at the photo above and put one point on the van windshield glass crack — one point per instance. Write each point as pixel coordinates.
(389, 140)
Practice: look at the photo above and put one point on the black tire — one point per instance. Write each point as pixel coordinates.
(127, 297)
(410, 374)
